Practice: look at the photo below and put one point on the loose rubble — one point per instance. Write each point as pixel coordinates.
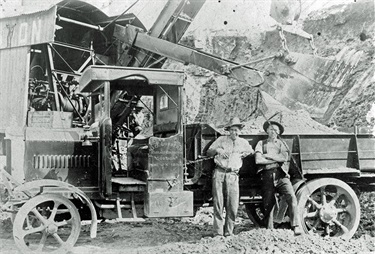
(194, 235)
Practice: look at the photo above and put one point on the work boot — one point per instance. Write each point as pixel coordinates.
(297, 231)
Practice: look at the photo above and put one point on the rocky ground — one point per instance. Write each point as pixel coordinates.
(194, 235)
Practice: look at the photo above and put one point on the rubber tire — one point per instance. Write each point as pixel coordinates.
(35, 201)
(251, 210)
(316, 184)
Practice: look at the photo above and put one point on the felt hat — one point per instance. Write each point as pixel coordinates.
(235, 121)
(268, 123)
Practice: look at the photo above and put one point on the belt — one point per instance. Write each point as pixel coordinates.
(227, 170)
(276, 172)
(268, 167)
(271, 166)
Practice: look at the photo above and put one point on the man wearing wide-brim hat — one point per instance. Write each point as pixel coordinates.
(229, 152)
(271, 156)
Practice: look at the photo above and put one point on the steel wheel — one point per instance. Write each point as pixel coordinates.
(328, 207)
(47, 223)
(254, 211)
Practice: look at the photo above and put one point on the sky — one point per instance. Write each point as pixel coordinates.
(148, 10)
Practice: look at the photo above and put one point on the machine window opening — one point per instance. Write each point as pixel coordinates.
(164, 102)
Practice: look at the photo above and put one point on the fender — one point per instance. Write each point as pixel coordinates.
(37, 187)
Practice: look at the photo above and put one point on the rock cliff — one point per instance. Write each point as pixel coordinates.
(340, 32)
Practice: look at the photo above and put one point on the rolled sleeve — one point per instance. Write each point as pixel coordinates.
(247, 149)
(259, 147)
(215, 146)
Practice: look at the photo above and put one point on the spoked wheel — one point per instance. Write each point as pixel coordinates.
(46, 223)
(328, 207)
(254, 211)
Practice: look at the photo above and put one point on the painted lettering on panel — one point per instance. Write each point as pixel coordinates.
(28, 29)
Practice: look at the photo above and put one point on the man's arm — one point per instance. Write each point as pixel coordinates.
(260, 157)
(216, 148)
(247, 149)
(282, 156)
(276, 157)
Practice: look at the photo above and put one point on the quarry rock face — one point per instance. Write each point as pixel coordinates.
(350, 27)
(342, 96)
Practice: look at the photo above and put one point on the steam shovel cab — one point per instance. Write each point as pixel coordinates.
(153, 171)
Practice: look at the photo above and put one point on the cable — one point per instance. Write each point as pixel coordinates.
(62, 58)
(316, 82)
(67, 96)
(114, 20)
(282, 141)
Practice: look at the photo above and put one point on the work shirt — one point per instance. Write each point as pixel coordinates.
(235, 149)
(273, 147)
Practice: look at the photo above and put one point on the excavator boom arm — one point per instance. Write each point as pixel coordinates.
(135, 37)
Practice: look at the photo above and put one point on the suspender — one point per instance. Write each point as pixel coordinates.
(265, 146)
(269, 166)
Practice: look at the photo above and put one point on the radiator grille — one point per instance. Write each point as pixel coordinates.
(61, 161)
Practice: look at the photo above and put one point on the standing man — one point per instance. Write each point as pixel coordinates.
(270, 156)
(229, 152)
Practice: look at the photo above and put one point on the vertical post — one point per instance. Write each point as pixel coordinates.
(180, 110)
(353, 157)
(118, 206)
(134, 210)
(107, 99)
(50, 69)
(300, 153)
(106, 137)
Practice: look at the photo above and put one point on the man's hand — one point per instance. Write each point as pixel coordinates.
(263, 159)
(221, 152)
(268, 157)
(276, 157)
(243, 155)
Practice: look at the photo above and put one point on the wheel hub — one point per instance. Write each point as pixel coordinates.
(327, 213)
(51, 229)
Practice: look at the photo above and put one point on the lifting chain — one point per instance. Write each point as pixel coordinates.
(284, 42)
(283, 39)
(313, 45)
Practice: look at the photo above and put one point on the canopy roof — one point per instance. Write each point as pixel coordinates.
(95, 75)
(38, 25)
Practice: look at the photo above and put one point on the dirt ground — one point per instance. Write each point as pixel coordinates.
(194, 235)
(171, 236)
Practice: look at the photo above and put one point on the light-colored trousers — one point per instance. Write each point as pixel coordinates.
(226, 193)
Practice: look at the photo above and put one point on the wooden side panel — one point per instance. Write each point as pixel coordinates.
(322, 152)
(14, 73)
(366, 153)
(169, 204)
(28, 29)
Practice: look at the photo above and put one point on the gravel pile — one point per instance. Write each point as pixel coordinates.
(267, 241)
(367, 222)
